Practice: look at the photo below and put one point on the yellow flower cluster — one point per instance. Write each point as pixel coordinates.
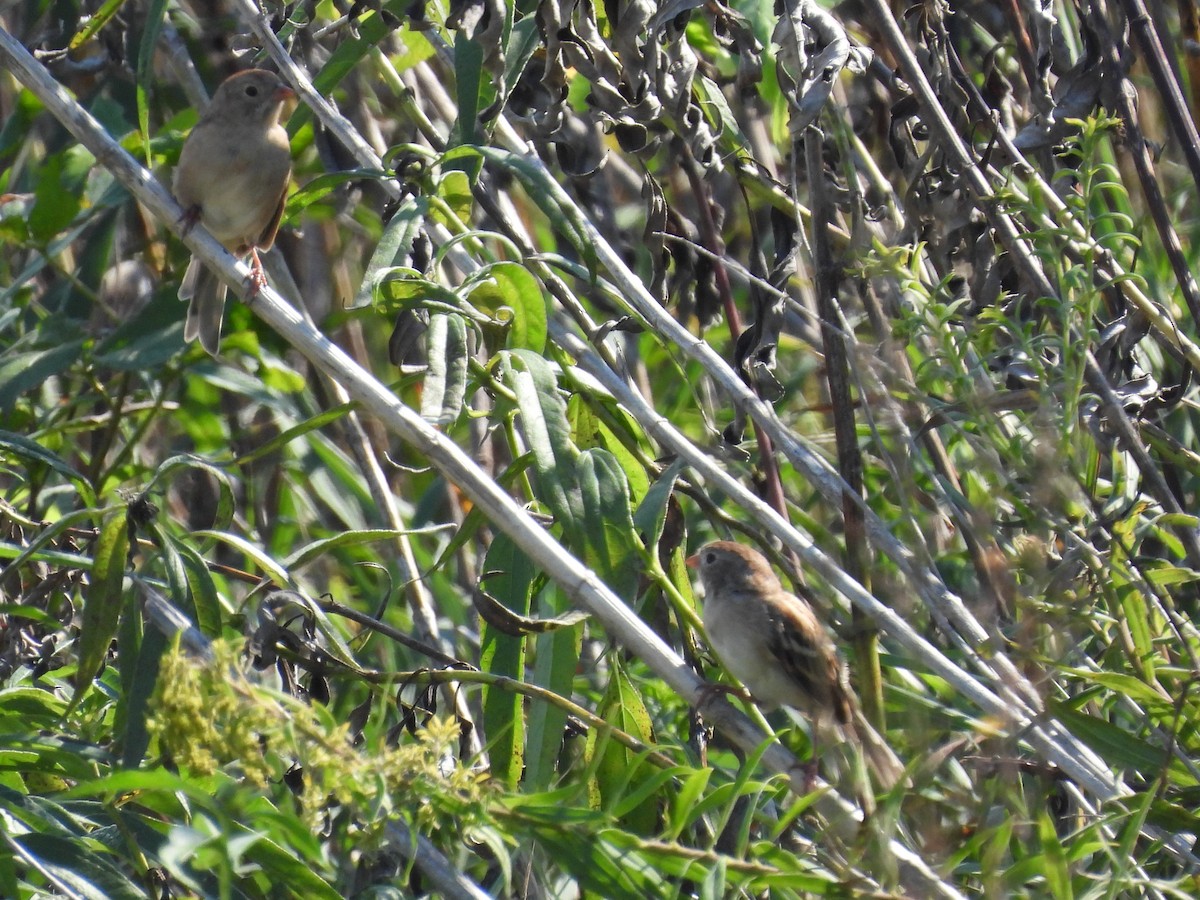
(206, 717)
(203, 718)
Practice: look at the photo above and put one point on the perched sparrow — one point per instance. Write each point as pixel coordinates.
(772, 642)
(233, 175)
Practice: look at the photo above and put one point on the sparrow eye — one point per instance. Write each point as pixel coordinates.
(251, 91)
(710, 557)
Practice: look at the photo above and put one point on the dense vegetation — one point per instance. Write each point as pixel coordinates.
(901, 295)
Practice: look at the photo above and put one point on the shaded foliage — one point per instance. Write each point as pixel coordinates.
(936, 285)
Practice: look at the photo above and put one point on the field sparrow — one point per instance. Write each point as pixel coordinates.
(233, 176)
(771, 641)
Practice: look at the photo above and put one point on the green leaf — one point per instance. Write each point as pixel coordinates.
(394, 245)
(443, 396)
(31, 450)
(102, 599)
(316, 549)
(612, 547)
(1122, 749)
(139, 690)
(651, 513)
(254, 553)
(73, 863)
(59, 193)
(615, 765)
(21, 372)
(92, 25)
(454, 189)
(323, 185)
(27, 708)
(508, 576)
(468, 80)
(151, 27)
(510, 294)
(200, 603)
(548, 432)
(402, 288)
(545, 192)
(556, 657)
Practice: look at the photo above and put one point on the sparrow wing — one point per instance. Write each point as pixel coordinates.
(806, 653)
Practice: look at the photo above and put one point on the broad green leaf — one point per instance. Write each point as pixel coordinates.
(59, 193)
(616, 767)
(454, 189)
(651, 513)
(512, 296)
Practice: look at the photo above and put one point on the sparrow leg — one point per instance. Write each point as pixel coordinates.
(808, 772)
(188, 220)
(257, 279)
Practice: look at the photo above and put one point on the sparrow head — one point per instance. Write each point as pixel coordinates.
(255, 96)
(729, 568)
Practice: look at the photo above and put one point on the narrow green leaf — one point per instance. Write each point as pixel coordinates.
(309, 425)
(394, 245)
(555, 660)
(320, 187)
(509, 579)
(651, 513)
(23, 372)
(98, 20)
(548, 432)
(317, 549)
(136, 738)
(199, 602)
(1120, 748)
(129, 646)
(151, 26)
(612, 546)
(468, 80)
(546, 193)
(76, 865)
(271, 568)
(102, 599)
(444, 393)
(31, 450)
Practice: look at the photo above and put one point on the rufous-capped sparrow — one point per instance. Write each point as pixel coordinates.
(233, 177)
